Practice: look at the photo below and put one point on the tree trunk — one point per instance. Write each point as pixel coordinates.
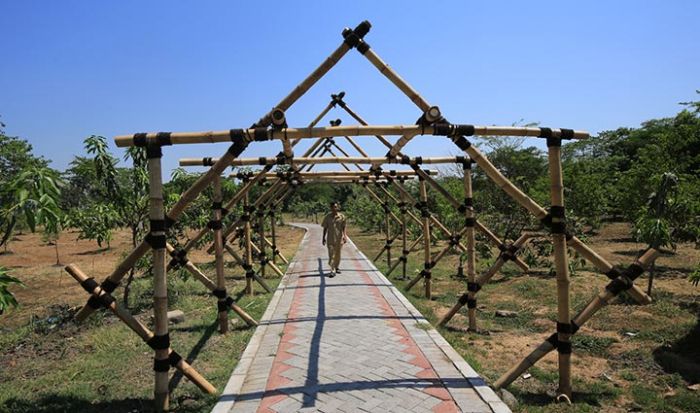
(127, 286)
(652, 269)
(58, 261)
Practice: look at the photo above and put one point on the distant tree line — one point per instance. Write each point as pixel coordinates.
(648, 176)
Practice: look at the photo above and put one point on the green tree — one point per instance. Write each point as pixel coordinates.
(35, 197)
(7, 299)
(15, 156)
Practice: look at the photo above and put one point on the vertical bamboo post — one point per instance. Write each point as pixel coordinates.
(273, 234)
(470, 221)
(561, 265)
(387, 231)
(219, 255)
(160, 286)
(261, 236)
(404, 238)
(248, 246)
(425, 214)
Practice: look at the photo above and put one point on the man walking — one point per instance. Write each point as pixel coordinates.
(334, 236)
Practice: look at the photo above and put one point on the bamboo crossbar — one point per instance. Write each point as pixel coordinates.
(266, 134)
(271, 161)
(341, 174)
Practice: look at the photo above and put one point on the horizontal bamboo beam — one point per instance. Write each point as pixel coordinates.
(265, 134)
(341, 174)
(269, 161)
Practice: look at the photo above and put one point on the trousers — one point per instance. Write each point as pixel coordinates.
(334, 254)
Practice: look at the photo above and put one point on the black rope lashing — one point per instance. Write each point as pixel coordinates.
(159, 342)
(337, 100)
(179, 258)
(354, 38)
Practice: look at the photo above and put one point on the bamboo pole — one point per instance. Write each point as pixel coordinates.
(317, 74)
(185, 199)
(264, 134)
(404, 254)
(404, 238)
(540, 213)
(137, 327)
(273, 235)
(160, 284)
(394, 78)
(561, 263)
(387, 233)
(364, 123)
(600, 301)
(247, 185)
(248, 266)
(261, 235)
(426, 239)
(457, 205)
(478, 283)
(470, 220)
(219, 255)
(211, 286)
(269, 264)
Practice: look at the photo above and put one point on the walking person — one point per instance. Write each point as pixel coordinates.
(334, 236)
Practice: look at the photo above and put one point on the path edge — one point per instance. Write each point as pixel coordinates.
(477, 382)
(235, 382)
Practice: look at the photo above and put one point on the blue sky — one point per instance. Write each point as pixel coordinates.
(75, 68)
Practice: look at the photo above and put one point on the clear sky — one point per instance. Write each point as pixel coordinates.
(75, 68)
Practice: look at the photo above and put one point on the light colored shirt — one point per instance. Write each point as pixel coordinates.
(334, 226)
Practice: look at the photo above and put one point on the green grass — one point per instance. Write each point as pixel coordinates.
(104, 367)
(649, 364)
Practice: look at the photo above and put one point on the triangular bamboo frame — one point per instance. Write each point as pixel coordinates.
(273, 126)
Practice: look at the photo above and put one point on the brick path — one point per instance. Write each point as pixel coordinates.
(351, 343)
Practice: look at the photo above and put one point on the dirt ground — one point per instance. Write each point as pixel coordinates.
(627, 358)
(33, 261)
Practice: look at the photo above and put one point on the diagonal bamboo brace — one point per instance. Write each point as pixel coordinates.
(211, 286)
(137, 327)
(612, 290)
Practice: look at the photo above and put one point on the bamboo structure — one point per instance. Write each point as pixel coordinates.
(273, 126)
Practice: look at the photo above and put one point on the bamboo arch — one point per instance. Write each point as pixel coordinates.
(273, 126)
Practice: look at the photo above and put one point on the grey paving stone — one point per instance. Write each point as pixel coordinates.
(345, 354)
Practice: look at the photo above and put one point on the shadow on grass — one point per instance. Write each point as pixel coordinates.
(683, 356)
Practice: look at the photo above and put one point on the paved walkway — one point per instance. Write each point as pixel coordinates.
(351, 343)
